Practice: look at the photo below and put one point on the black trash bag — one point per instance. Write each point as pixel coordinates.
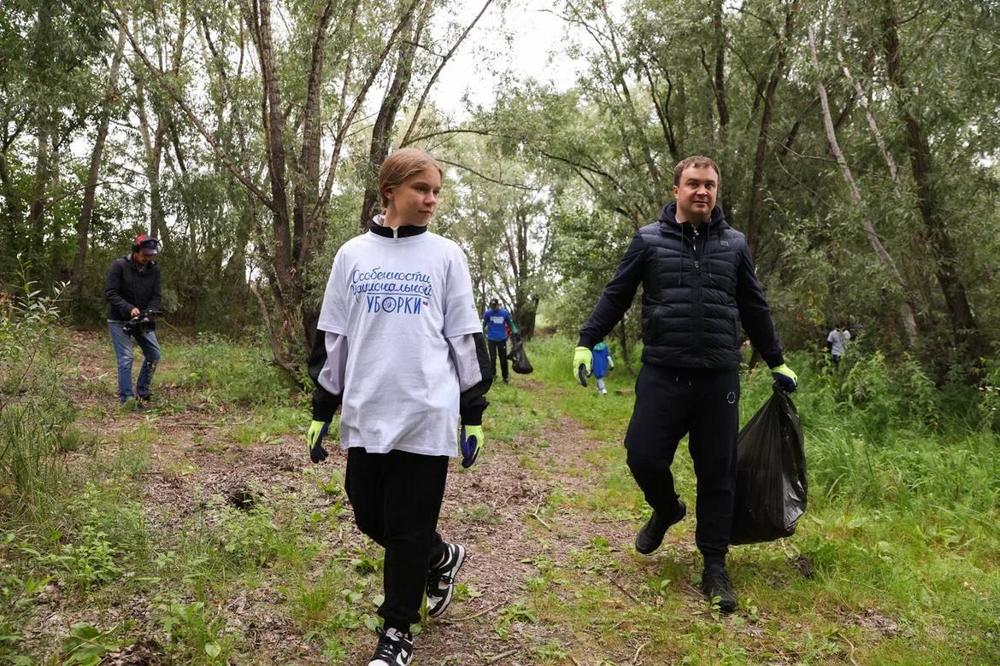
(518, 357)
(770, 473)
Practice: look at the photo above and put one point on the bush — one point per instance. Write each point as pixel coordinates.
(34, 406)
(232, 373)
(108, 534)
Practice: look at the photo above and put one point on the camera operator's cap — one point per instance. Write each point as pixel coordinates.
(146, 244)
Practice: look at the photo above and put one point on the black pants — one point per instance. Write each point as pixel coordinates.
(396, 498)
(499, 347)
(672, 402)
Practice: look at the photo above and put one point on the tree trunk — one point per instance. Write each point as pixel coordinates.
(307, 183)
(44, 119)
(942, 246)
(36, 211)
(755, 210)
(384, 122)
(908, 307)
(308, 231)
(90, 189)
(719, 88)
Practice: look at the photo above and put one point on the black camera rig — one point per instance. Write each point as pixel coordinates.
(142, 322)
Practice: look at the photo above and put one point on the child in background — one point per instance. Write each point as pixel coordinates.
(601, 364)
(400, 349)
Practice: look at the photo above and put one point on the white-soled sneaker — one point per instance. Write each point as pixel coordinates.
(394, 649)
(441, 580)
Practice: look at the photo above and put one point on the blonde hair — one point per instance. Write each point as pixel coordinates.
(698, 162)
(399, 166)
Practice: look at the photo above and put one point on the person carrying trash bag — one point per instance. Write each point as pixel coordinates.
(699, 287)
(499, 326)
(399, 348)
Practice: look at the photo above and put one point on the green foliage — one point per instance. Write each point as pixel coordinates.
(196, 633)
(86, 645)
(902, 504)
(248, 538)
(109, 534)
(34, 408)
(989, 405)
(226, 372)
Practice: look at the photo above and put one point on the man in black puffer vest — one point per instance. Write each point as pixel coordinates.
(699, 289)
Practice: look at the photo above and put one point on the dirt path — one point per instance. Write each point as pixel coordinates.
(495, 510)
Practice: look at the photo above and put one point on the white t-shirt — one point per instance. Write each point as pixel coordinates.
(396, 301)
(838, 340)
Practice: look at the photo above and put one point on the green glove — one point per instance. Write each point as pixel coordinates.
(785, 378)
(611, 363)
(472, 442)
(582, 356)
(314, 439)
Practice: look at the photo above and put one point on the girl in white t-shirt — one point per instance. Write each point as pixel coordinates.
(400, 350)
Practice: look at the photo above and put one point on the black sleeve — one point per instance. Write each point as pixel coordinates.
(755, 312)
(112, 291)
(618, 294)
(472, 402)
(324, 403)
(154, 302)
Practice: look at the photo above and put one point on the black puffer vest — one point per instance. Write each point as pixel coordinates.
(689, 313)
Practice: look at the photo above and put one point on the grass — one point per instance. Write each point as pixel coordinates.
(896, 560)
(899, 539)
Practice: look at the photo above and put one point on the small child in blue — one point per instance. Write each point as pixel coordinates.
(602, 362)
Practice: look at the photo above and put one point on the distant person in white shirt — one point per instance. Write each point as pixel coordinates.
(836, 343)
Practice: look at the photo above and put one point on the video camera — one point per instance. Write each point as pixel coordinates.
(142, 322)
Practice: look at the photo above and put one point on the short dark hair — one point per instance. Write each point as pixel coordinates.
(697, 161)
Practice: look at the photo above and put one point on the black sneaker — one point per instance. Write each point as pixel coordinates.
(441, 579)
(718, 589)
(651, 535)
(394, 649)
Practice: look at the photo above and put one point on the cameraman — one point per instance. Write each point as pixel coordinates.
(133, 293)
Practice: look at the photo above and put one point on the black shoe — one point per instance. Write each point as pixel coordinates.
(506, 380)
(441, 579)
(718, 589)
(651, 535)
(394, 649)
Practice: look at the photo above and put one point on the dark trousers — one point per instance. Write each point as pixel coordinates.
(672, 402)
(498, 347)
(396, 498)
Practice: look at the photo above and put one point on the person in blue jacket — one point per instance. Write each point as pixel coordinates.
(496, 320)
(602, 362)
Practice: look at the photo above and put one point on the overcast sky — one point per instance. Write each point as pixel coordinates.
(524, 39)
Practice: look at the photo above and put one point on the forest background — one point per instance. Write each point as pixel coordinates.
(858, 145)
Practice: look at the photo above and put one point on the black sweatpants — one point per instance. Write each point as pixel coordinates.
(672, 402)
(498, 347)
(396, 498)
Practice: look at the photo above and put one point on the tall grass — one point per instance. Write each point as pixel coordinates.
(903, 508)
(876, 432)
(34, 407)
